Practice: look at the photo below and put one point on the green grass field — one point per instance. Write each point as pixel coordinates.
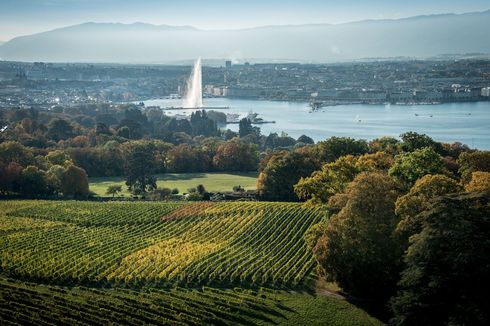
(212, 182)
(225, 263)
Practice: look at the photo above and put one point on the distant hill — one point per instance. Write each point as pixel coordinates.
(420, 36)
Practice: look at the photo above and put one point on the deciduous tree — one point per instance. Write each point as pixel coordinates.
(409, 167)
(358, 249)
(445, 281)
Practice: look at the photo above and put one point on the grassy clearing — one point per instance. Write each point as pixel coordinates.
(212, 181)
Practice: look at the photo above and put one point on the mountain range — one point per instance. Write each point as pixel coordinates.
(420, 36)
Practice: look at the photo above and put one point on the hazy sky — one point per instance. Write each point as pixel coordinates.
(21, 17)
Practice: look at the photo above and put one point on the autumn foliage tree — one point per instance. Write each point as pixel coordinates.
(74, 182)
(418, 199)
(236, 155)
(470, 162)
(480, 181)
(357, 248)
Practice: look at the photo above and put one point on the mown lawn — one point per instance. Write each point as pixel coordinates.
(213, 182)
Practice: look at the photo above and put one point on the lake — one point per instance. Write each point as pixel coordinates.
(468, 123)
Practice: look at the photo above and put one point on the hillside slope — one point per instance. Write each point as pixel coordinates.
(420, 36)
(65, 262)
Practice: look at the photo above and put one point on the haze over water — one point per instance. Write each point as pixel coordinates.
(468, 123)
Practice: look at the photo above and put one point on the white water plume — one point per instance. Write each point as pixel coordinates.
(193, 96)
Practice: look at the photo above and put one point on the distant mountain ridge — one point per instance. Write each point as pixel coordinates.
(419, 36)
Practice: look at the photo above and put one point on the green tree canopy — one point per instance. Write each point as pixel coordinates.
(139, 166)
(60, 129)
(33, 182)
(334, 177)
(282, 172)
(445, 281)
(409, 167)
(412, 141)
(335, 147)
(113, 190)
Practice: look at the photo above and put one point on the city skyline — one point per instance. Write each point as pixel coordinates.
(19, 18)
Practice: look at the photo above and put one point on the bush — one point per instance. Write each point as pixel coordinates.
(160, 194)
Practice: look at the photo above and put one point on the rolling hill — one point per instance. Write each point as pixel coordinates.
(226, 263)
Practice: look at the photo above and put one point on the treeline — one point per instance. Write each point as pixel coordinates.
(102, 140)
(409, 225)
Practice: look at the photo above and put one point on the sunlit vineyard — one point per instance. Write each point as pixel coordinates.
(29, 303)
(133, 263)
(158, 244)
(43, 304)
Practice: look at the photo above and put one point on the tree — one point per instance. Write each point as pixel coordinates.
(53, 178)
(102, 129)
(74, 182)
(236, 155)
(32, 182)
(160, 194)
(203, 125)
(306, 140)
(185, 158)
(445, 281)
(10, 177)
(480, 181)
(59, 129)
(409, 167)
(472, 162)
(139, 167)
(370, 162)
(334, 177)
(335, 147)
(58, 157)
(124, 132)
(12, 151)
(281, 173)
(418, 199)
(217, 116)
(245, 127)
(385, 144)
(331, 179)
(113, 190)
(357, 249)
(129, 129)
(413, 141)
(200, 189)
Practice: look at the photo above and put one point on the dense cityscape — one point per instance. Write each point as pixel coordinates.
(43, 85)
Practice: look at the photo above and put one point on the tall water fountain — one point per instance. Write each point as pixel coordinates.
(193, 96)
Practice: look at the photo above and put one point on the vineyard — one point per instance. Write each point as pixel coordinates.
(153, 262)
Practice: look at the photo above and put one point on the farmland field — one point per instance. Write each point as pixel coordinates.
(175, 263)
(182, 181)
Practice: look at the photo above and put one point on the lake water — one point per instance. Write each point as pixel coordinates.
(468, 123)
